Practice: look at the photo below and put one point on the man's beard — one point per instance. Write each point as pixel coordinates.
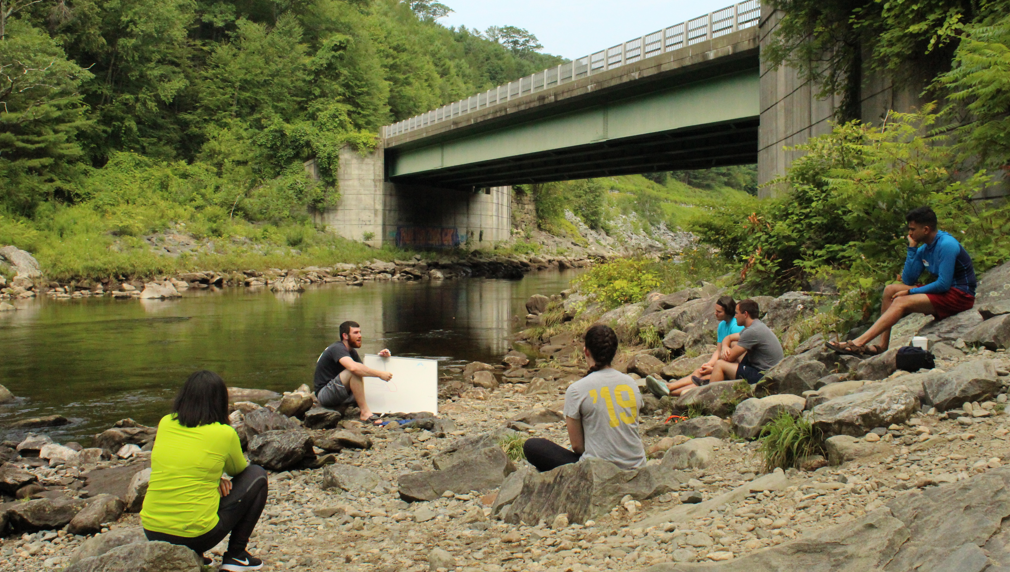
(356, 344)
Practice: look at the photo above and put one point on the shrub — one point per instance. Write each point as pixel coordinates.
(512, 444)
(787, 440)
(619, 282)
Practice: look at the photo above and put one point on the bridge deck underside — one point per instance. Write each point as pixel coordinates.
(713, 145)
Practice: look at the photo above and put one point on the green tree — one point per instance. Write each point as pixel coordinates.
(518, 40)
(40, 116)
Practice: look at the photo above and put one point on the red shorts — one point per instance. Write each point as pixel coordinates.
(951, 302)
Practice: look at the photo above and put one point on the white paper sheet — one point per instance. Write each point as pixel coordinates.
(414, 386)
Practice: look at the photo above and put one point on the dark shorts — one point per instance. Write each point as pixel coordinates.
(335, 394)
(748, 372)
(951, 302)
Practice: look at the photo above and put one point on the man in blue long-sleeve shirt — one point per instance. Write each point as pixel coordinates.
(952, 292)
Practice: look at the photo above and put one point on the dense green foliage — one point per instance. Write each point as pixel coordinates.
(833, 43)
(129, 118)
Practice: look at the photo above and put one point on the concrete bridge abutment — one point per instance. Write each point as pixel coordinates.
(377, 212)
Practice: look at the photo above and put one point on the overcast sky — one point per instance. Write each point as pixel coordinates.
(575, 29)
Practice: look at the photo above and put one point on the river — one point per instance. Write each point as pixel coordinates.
(99, 360)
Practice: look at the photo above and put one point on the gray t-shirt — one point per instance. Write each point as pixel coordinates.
(763, 349)
(608, 402)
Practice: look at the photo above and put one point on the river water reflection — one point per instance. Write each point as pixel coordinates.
(96, 361)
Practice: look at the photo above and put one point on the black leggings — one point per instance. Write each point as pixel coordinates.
(546, 455)
(238, 514)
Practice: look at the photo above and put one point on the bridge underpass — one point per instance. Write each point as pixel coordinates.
(690, 96)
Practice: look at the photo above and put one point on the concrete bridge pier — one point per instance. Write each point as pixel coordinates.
(378, 212)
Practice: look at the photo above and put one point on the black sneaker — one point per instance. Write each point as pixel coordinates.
(240, 561)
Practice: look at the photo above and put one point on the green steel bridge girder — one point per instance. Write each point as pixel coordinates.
(664, 128)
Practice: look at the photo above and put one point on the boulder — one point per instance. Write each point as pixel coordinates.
(683, 367)
(100, 510)
(5, 395)
(322, 418)
(858, 413)
(992, 334)
(106, 541)
(40, 422)
(342, 439)
(32, 444)
(537, 304)
(705, 426)
(349, 478)
(644, 364)
(970, 381)
(540, 416)
(473, 367)
(831, 391)
(585, 490)
(952, 328)
(679, 298)
(136, 491)
(264, 420)
(42, 514)
(280, 450)
(289, 283)
(159, 291)
(295, 404)
(661, 321)
(940, 528)
(719, 398)
(481, 472)
(515, 359)
(59, 455)
(13, 478)
(241, 394)
(676, 341)
(992, 295)
(753, 414)
(466, 447)
(113, 439)
(695, 454)
(843, 448)
(540, 386)
(142, 557)
(24, 264)
(788, 309)
(624, 318)
(876, 367)
(485, 379)
(796, 374)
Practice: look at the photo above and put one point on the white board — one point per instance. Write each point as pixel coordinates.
(414, 386)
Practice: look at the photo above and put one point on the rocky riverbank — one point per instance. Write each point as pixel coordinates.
(29, 281)
(911, 471)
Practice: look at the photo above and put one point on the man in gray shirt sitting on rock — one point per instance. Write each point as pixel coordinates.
(761, 346)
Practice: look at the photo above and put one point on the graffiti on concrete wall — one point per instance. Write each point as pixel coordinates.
(427, 237)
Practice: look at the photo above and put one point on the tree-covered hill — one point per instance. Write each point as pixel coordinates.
(235, 93)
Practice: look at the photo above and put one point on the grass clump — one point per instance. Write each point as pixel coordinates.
(649, 337)
(512, 445)
(787, 440)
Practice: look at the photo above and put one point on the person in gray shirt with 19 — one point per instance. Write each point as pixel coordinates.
(601, 411)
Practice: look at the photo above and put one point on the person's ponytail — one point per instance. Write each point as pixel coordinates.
(601, 341)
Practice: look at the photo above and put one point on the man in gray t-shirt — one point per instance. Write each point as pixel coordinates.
(608, 403)
(763, 350)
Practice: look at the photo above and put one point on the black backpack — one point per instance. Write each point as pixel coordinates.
(912, 359)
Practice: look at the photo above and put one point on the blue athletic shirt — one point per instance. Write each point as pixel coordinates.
(946, 259)
(727, 328)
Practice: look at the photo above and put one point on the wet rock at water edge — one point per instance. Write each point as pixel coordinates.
(40, 422)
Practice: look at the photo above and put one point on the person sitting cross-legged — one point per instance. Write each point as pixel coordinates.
(601, 412)
(951, 293)
(746, 355)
